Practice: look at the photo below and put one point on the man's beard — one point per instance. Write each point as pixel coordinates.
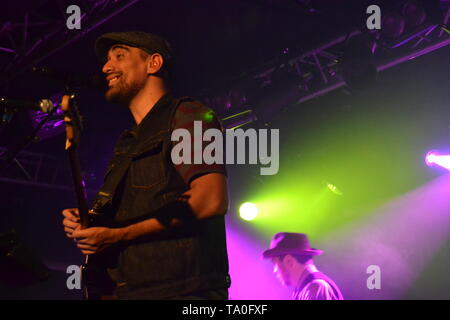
(123, 92)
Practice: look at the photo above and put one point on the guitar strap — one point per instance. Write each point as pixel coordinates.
(106, 194)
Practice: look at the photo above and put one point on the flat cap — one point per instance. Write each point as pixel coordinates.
(148, 42)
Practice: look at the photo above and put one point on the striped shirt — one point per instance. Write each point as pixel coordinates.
(316, 286)
(317, 290)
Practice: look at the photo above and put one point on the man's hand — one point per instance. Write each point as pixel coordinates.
(71, 221)
(90, 240)
(95, 239)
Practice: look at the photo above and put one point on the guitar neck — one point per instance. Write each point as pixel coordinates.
(73, 127)
(79, 186)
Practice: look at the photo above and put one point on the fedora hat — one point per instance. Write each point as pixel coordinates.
(290, 243)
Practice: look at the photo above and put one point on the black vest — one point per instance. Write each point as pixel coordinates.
(141, 183)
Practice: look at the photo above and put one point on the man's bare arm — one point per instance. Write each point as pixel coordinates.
(207, 197)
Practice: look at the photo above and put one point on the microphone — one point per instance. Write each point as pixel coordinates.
(70, 79)
(43, 105)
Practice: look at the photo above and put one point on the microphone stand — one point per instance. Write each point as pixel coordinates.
(11, 156)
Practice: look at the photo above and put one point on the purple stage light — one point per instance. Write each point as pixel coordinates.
(401, 237)
(430, 158)
(433, 158)
(252, 277)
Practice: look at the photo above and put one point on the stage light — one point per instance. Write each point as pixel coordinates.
(410, 19)
(334, 189)
(393, 25)
(248, 211)
(433, 158)
(430, 158)
(414, 14)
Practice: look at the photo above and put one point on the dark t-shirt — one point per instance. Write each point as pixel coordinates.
(184, 117)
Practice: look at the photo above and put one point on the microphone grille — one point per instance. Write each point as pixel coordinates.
(46, 105)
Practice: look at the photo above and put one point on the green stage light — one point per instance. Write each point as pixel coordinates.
(334, 189)
(248, 211)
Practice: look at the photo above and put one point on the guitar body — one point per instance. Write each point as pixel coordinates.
(96, 282)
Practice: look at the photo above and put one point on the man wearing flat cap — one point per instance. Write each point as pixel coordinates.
(166, 234)
(292, 257)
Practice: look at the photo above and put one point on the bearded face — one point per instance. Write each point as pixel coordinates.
(122, 91)
(282, 271)
(126, 73)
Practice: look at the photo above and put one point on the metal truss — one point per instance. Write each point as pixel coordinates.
(319, 71)
(323, 62)
(36, 169)
(42, 31)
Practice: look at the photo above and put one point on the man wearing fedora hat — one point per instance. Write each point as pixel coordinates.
(292, 256)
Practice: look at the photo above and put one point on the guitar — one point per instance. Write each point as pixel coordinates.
(96, 282)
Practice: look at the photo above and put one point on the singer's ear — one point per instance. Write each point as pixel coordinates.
(154, 63)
